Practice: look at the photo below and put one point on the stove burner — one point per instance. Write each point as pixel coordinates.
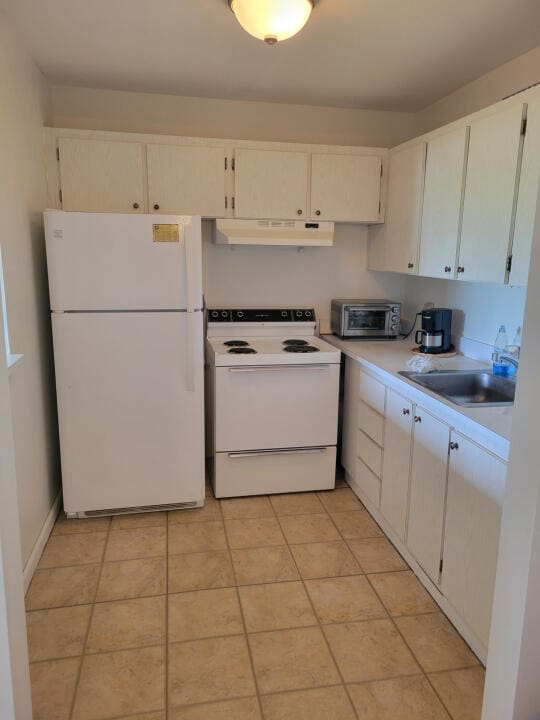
(242, 351)
(236, 343)
(300, 349)
(297, 343)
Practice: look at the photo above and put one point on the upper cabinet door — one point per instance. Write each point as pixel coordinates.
(186, 180)
(394, 245)
(494, 151)
(101, 176)
(345, 188)
(270, 184)
(527, 194)
(441, 213)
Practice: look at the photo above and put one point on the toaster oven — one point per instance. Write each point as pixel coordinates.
(365, 318)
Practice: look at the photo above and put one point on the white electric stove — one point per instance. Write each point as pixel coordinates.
(272, 402)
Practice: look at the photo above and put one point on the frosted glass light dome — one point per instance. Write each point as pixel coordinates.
(272, 20)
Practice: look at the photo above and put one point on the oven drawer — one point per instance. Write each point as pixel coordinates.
(370, 453)
(276, 406)
(274, 471)
(371, 422)
(372, 392)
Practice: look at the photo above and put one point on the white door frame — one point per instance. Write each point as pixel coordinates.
(15, 701)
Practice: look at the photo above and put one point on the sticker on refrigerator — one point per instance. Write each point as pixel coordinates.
(166, 233)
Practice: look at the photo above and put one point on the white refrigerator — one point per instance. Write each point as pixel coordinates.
(127, 320)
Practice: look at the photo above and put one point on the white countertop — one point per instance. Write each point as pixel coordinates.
(386, 357)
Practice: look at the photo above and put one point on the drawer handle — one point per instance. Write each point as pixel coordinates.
(276, 368)
(406, 411)
(263, 453)
(454, 446)
(417, 419)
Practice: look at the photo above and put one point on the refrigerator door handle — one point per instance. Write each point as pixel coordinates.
(191, 303)
(191, 350)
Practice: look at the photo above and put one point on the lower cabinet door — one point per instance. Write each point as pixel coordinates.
(396, 461)
(428, 491)
(476, 486)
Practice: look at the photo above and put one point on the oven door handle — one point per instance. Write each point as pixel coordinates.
(276, 368)
(259, 453)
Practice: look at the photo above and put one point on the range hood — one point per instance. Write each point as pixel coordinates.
(274, 232)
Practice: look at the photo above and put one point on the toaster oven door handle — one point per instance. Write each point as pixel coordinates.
(262, 453)
(276, 368)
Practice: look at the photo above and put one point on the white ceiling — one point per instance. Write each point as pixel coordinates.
(378, 54)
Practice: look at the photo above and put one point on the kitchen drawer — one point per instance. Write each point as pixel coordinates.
(274, 471)
(371, 422)
(368, 482)
(372, 392)
(370, 453)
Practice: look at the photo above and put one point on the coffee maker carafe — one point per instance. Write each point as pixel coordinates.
(434, 336)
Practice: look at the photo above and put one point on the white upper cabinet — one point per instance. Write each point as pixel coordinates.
(271, 184)
(428, 491)
(394, 245)
(476, 486)
(345, 188)
(186, 180)
(527, 196)
(493, 161)
(101, 176)
(443, 193)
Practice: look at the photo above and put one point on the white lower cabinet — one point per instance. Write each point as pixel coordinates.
(397, 461)
(476, 486)
(438, 494)
(428, 491)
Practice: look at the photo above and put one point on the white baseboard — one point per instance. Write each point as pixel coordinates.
(38, 548)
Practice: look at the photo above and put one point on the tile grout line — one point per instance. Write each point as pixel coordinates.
(246, 638)
(83, 655)
(321, 630)
(166, 663)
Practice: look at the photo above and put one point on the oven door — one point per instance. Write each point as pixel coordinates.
(366, 321)
(276, 406)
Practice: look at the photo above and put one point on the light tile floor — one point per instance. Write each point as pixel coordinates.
(293, 607)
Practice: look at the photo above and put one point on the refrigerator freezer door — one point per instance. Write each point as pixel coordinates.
(130, 404)
(105, 261)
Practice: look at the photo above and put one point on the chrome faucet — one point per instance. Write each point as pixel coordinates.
(510, 359)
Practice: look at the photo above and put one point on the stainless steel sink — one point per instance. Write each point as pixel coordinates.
(467, 388)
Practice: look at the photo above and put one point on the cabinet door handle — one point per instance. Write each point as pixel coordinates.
(447, 269)
(299, 212)
(417, 419)
(461, 269)
(410, 265)
(406, 411)
(454, 446)
(156, 206)
(318, 212)
(136, 206)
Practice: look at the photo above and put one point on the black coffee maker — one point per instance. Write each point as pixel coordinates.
(434, 337)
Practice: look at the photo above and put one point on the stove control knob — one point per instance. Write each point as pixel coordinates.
(283, 313)
(299, 313)
(214, 314)
(240, 314)
(308, 313)
(224, 314)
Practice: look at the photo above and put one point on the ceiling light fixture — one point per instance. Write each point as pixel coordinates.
(272, 20)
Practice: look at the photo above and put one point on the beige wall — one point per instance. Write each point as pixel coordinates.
(23, 103)
(486, 90)
(89, 109)
(284, 276)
